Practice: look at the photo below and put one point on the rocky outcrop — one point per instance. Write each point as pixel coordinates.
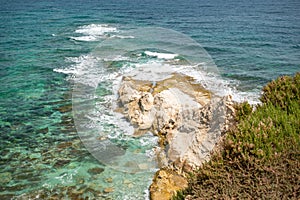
(183, 114)
(188, 119)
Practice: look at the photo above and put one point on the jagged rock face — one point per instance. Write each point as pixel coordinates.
(201, 130)
(189, 122)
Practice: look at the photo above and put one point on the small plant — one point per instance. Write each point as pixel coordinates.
(179, 195)
(242, 110)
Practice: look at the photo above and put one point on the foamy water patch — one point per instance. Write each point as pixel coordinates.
(85, 38)
(83, 66)
(166, 56)
(123, 36)
(96, 29)
(252, 97)
(94, 32)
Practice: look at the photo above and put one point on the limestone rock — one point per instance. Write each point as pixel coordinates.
(128, 93)
(146, 101)
(194, 142)
(182, 113)
(165, 184)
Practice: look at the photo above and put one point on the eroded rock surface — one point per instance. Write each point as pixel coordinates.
(187, 118)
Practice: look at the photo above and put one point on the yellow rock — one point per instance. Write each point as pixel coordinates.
(165, 184)
(108, 190)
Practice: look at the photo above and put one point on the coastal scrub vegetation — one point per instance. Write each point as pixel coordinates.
(260, 158)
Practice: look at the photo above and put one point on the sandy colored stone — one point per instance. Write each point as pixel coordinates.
(187, 85)
(108, 190)
(165, 184)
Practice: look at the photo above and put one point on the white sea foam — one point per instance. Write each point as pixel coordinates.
(85, 38)
(84, 70)
(96, 29)
(117, 58)
(66, 70)
(123, 36)
(167, 56)
(94, 32)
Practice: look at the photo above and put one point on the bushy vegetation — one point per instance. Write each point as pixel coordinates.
(282, 92)
(260, 158)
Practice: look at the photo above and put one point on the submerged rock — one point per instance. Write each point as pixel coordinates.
(64, 145)
(95, 170)
(5, 177)
(64, 108)
(108, 190)
(61, 162)
(109, 180)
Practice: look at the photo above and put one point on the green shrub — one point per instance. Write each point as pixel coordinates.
(282, 91)
(265, 133)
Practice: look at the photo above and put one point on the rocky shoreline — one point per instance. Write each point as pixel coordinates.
(188, 119)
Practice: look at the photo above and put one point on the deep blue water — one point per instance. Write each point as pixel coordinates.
(251, 42)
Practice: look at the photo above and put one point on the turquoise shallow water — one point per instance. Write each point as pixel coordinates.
(41, 152)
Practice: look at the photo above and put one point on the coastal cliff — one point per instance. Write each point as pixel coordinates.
(188, 119)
